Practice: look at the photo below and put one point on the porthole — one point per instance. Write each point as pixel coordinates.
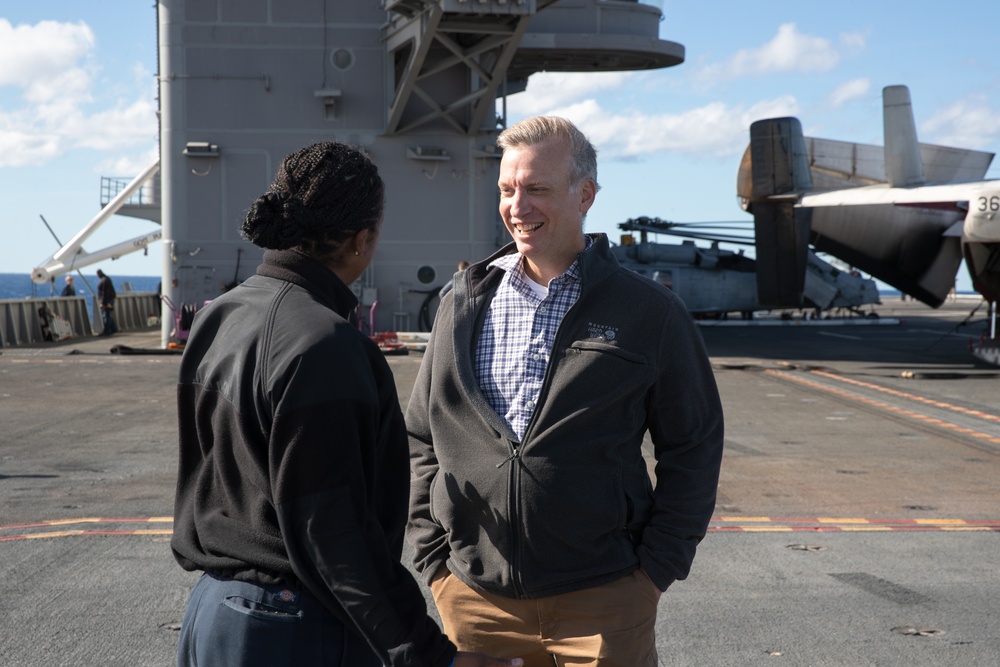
(426, 274)
(342, 59)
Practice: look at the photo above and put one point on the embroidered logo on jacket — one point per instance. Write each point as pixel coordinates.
(601, 331)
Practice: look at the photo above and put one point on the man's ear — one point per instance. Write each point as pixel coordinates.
(588, 191)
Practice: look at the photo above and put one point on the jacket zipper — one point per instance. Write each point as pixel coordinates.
(512, 511)
(513, 455)
(515, 473)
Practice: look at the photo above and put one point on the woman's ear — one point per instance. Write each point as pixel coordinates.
(363, 243)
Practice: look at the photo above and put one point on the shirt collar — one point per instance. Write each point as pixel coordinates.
(513, 265)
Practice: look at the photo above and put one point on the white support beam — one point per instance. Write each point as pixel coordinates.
(71, 256)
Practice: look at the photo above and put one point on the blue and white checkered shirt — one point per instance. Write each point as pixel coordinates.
(516, 341)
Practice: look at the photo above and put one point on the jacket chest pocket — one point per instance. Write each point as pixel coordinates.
(599, 346)
(597, 361)
(607, 382)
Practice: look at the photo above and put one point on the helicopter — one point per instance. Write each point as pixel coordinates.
(714, 282)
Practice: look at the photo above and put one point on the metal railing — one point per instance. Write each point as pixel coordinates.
(28, 321)
(147, 195)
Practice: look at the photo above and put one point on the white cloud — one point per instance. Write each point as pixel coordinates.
(788, 51)
(22, 149)
(33, 54)
(32, 137)
(970, 123)
(548, 90)
(48, 103)
(846, 92)
(117, 129)
(715, 129)
(129, 166)
(68, 88)
(853, 41)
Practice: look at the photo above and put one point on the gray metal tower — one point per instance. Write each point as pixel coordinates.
(415, 82)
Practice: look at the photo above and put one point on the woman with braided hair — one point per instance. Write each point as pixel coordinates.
(294, 473)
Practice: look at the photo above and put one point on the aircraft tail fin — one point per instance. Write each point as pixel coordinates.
(903, 163)
(780, 166)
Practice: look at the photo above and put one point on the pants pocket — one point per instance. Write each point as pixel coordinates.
(260, 610)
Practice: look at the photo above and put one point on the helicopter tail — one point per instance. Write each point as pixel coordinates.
(780, 171)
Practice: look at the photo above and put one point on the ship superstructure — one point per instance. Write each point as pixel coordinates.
(415, 83)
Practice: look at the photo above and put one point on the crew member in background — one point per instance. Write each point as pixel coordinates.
(106, 302)
(448, 286)
(69, 289)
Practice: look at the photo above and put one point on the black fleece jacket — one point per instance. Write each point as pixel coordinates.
(293, 456)
(571, 505)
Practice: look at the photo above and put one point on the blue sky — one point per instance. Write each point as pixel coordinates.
(78, 101)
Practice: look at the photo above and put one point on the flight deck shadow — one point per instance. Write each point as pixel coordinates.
(921, 341)
(3, 477)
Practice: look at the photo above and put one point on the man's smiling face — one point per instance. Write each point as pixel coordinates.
(542, 210)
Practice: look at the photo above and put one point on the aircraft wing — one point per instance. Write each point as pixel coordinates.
(908, 216)
(914, 196)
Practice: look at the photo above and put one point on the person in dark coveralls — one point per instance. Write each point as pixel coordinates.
(447, 287)
(106, 296)
(293, 474)
(532, 514)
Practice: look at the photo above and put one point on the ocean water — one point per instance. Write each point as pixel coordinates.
(20, 286)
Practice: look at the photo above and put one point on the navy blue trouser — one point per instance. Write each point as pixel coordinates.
(233, 623)
(108, 320)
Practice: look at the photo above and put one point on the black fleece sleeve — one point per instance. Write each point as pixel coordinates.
(427, 537)
(340, 477)
(685, 422)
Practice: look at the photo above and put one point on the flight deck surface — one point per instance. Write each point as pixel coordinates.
(857, 523)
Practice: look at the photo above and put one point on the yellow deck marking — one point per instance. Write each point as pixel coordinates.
(913, 397)
(891, 408)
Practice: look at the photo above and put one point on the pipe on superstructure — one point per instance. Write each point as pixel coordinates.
(169, 63)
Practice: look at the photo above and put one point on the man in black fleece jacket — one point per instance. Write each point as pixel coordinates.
(533, 517)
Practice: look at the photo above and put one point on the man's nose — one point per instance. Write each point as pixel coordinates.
(520, 203)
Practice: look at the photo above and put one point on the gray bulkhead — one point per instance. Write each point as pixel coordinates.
(413, 82)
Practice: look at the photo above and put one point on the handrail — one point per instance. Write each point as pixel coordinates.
(29, 321)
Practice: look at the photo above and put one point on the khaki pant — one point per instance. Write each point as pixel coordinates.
(612, 625)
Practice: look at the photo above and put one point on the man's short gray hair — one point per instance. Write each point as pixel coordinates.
(539, 129)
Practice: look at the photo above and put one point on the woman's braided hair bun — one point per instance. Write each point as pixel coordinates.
(321, 195)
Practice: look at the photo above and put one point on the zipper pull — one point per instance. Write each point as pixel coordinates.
(508, 459)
